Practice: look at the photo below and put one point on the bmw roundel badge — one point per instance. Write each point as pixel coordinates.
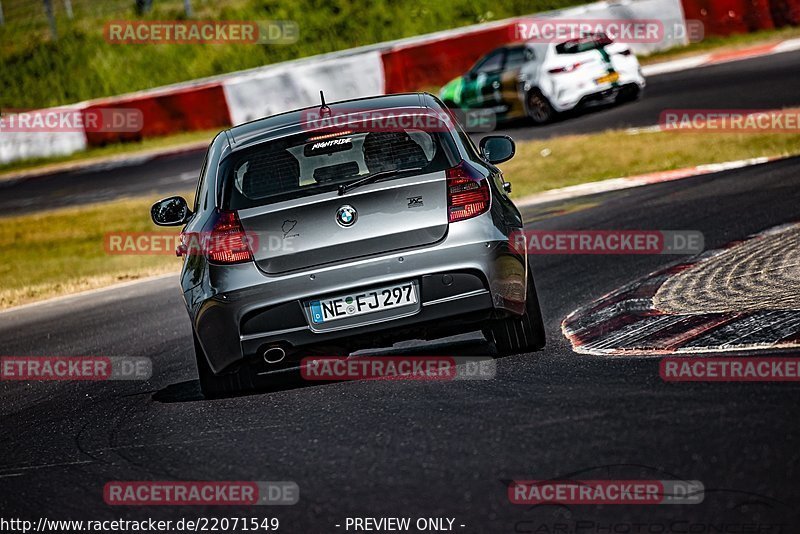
(346, 216)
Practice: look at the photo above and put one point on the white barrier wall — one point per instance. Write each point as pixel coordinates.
(668, 12)
(286, 87)
(28, 145)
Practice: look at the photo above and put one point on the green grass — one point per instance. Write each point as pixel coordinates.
(576, 159)
(82, 65)
(62, 251)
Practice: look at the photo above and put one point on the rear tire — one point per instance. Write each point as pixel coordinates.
(212, 385)
(538, 107)
(518, 335)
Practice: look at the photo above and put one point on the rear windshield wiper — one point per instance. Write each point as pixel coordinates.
(374, 177)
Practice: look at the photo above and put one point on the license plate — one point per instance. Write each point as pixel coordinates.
(361, 303)
(608, 78)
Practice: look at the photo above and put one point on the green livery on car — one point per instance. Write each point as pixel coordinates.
(539, 80)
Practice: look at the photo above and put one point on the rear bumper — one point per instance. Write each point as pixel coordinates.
(602, 97)
(244, 310)
(588, 94)
(465, 304)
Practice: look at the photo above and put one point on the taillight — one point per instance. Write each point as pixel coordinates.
(566, 68)
(467, 193)
(228, 241)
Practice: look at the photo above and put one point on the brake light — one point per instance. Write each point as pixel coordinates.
(228, 242)
(567, 68)
(467, 193)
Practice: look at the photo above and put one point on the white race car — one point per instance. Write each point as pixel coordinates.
(539, 80)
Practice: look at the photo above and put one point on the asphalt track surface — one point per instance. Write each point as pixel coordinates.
(767, 82)
(422, 449)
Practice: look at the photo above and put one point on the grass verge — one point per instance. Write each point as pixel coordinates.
(62, 251)
(540, 165)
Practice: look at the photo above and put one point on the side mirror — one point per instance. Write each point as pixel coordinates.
(497, 148)
(172, 211)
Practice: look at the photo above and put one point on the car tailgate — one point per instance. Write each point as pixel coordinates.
(389, 215)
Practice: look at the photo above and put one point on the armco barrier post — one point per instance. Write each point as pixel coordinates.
(51, 18)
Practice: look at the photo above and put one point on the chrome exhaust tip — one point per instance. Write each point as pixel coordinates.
(274, 355)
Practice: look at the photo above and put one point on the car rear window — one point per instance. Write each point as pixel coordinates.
(312, 163)
(589, 42)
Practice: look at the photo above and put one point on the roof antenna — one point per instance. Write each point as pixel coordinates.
(324, 107)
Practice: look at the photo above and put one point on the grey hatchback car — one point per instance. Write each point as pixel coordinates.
(352, 225)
